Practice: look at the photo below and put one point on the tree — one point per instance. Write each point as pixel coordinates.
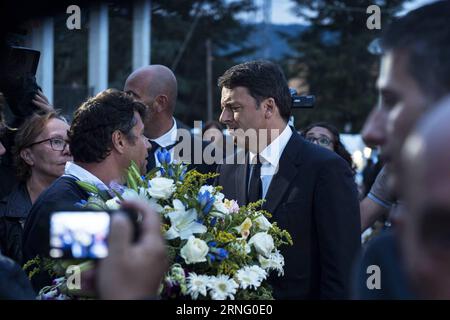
(334, 60)
(180, 31)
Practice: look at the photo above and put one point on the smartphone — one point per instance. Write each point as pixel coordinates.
(79, 234)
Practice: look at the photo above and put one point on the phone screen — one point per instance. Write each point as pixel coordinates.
(79, 234)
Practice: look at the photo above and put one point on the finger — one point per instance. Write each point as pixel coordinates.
(151, 223)
(42, 96)
(120, 236)
(42, 105)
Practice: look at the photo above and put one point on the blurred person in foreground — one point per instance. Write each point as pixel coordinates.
(414, 75)
(426, 184)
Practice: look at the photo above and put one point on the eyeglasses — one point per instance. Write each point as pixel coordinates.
(322, 141)
(57, 144)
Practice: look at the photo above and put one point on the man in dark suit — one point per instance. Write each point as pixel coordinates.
(156, 87)
(309, 190)
(107, 133)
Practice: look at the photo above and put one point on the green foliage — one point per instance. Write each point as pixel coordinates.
(333, 57)
(37, 265)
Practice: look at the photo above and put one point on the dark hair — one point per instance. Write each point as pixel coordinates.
(424, 34)
(337, 143)
(97, 119)
(26, 135)
(263, 79)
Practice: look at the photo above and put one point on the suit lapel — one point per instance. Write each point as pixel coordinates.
(287, 171)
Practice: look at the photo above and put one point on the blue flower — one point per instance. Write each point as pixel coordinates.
(206, 201)
(163, 156)
(221, 254)
(170, 172)
(81, 203)
(212, 244)
(117, 188)
(183, 173)
(213, 221)
(211, 257)
(163, 171)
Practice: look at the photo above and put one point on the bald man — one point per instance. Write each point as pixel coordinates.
(426, 226)
(156, 87)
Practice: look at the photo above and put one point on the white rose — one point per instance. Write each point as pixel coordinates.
(263, 243)
(195, 250)
(220, 206)
(263, 223)
(161, 188)
(113, 204)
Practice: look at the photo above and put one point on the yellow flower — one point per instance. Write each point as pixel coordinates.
(244, 228)
(225, 237)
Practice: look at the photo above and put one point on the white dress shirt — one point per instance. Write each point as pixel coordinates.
(270, 157)
(167, 139)
(74, 170)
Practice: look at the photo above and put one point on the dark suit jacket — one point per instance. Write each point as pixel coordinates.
(314, 197)
(192, 151)
(62, 194)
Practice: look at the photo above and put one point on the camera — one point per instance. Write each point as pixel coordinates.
(300, 102)
(17, 79)
(84, 234)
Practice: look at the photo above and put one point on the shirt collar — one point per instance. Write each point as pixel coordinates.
(168, 138)
(82, 174)
(272, 153)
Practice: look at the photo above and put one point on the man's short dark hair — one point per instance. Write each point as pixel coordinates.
(263, 79)
(90, 134)
(424, 34)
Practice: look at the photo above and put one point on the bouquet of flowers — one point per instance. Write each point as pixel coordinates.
(217, 250)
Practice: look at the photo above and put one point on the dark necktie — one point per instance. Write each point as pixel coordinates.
(151, 162)
(255, 183)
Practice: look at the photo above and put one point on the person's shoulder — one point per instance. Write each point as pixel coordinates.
(14, 283)
(18, 203)
(62, 188)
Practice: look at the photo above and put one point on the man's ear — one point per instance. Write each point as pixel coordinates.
(27, 156)
(118, 142)
(161, 103)
(270, 107)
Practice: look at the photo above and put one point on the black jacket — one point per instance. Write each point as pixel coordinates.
(14, 284)
(314, 197)
(14, 210)
(62, 194)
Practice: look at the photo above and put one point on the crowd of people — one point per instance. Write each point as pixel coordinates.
(307, 178)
